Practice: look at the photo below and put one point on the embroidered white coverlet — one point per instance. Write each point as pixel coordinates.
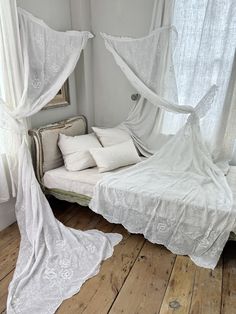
(177, 198)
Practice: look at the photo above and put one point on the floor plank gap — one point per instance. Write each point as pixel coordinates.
(126, 278)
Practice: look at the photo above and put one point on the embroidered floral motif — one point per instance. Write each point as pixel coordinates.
(54, 67)
(66, 274)
(38, 38)
(165, 224)
(60, 244)
(36, 83)
(50, 274)
(64, 262)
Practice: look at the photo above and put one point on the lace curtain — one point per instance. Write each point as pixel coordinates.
(54, 261)
(203, 56)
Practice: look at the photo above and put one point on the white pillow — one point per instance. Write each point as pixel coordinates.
(116, 156)
(75, 151)
(111, 136)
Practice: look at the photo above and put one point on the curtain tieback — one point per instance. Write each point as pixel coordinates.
(9, 122)
(204, 105)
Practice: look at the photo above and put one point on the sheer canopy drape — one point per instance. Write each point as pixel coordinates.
(54, 261)
(144, 120)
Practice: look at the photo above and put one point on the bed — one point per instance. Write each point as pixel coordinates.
(76, 186)
(73, 186)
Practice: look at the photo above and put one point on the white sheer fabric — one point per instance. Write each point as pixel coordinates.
(54, 261)
(144, 119)
(180, 187)
(141, 60)
(9, 62)
(204, 56)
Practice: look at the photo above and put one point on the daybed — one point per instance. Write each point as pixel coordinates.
(71, 186)
(76, 186)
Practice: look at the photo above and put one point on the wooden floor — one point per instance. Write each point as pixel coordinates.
(139, 278)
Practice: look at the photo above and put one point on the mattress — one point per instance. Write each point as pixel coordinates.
(83, 182)
(80, 182)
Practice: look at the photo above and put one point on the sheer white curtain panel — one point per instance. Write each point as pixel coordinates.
(204, 56)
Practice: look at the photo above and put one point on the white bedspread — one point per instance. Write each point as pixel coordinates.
(188, 210)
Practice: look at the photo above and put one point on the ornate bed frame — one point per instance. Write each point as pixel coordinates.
(47, 156)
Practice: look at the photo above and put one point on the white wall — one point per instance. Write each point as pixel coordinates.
(7, 214)
(111, 90)
(57, 14)
(81, 20)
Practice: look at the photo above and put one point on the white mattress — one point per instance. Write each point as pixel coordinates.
(82, 182)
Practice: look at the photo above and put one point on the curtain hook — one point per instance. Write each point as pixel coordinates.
(135, 97)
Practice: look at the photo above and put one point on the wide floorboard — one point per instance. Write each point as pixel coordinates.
(140, 277)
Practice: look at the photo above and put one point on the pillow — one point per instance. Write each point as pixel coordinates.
(116, 156)
(75, 151)
(111, 136)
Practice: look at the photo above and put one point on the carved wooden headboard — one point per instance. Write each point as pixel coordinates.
(46, 154)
